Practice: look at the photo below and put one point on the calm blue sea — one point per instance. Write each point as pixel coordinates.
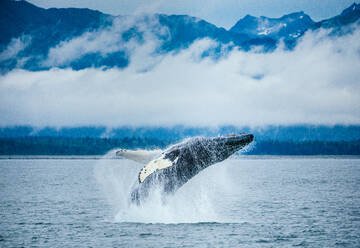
(243, 202)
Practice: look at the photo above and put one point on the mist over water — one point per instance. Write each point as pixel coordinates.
(197, 201)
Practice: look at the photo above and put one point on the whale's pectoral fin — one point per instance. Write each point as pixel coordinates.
(154, 165)
(140, 156)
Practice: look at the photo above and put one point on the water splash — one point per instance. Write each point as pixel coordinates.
(197, 201)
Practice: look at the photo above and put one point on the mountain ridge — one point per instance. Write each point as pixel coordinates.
(283, 22)
(34, 32)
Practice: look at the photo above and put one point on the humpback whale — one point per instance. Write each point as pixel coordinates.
(173, 167)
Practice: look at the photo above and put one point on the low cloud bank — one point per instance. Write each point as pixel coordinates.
(316, 83)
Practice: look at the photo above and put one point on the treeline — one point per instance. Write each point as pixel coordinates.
(72, 146)
(100, 146)
(306, 148)
(175, 133)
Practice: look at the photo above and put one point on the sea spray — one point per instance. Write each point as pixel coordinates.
(115, 178)
(199, 200)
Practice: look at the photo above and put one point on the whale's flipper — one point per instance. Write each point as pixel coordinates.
(156, 164)
(140, 156)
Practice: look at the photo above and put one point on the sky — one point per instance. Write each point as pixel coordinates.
(221, 13)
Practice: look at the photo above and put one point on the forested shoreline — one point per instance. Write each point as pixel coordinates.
(100, 146)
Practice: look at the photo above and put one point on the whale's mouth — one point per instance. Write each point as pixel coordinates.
(239, 138)
(238, 141)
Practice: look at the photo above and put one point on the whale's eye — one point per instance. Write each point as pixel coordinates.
(173, 155)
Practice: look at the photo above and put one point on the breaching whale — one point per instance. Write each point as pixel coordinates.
(173, 167)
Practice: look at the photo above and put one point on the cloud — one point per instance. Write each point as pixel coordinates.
(15, 46)
(316, 83)
(108, 40)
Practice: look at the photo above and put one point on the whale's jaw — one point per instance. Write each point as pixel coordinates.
(237, 141)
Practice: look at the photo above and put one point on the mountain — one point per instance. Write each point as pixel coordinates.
(21, 17)
(348, 16)
(184, 30)
(37, 30)
(34, 38)
(287, 26)
(44, 28)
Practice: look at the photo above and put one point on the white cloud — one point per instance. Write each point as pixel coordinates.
(317, 83)
(15, 46)
(107, 40)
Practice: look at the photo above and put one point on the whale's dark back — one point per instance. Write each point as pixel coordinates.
(188, 159)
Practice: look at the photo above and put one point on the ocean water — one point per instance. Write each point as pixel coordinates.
(242, 202)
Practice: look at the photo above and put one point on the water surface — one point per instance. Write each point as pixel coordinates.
(246, 202)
